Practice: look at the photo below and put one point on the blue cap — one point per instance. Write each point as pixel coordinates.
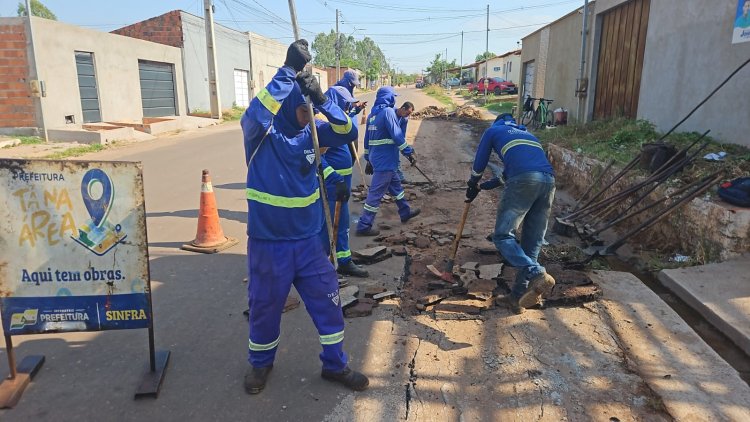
(345, 94)
(352, 77)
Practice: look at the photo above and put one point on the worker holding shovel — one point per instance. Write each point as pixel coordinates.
(285, 216)
(527, 198)
(384, 140)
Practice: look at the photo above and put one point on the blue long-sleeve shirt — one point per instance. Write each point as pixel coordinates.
(282, 185)
(519, 150)
(384, 138)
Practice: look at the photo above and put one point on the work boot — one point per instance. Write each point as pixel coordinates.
(367, 232)
(352, 269)
(512, 302)
(541, 284)
(413, 213)
(352, 379)
(255, 379)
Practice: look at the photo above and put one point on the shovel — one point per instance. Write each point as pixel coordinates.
(431, 189)
(447, 275)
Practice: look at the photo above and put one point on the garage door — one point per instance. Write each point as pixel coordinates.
(528, 79)
(241, 88)
(87, 87)
(157, 88)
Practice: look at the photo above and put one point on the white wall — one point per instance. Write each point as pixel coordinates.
(267, 57)
(116, 66)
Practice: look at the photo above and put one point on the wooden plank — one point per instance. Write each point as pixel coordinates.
(641, 49)
(607, 92)
(617, 46)
(622, 34)
(632, 56)
(625, 63)
(601, 86)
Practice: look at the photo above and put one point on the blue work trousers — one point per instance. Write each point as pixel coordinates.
(527, 198)
(382, 181)
(343, 253)
(274, 266)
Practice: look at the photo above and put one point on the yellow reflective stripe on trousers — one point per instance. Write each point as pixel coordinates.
(400, 196)
(268, 101)
(371, 209)
(282, 201)
(327, 172)
(367, 151)
(517, 142)
(376, 142)
(343, 129)
(344, 172)
(255, 347)
(343, 254)
(329, 339)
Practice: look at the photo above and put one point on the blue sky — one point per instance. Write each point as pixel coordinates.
(409, 33)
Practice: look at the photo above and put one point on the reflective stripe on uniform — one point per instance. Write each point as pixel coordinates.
(343, 129)
(282, 201)
(343, 254)
(329, 339)
(256, 347)
(367, 151)
(268, 101)
(371, 209)
(327, 172)
(344, 172)
(403, 146)
(517, 142)
(400, 196)
(475, 174)
(376, 142)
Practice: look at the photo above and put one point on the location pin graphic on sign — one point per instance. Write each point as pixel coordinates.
(99, 207)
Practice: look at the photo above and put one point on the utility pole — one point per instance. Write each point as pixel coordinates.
(446, 68)
(213, 79)
(338, 52)
(461, 63)
(39, 92)
(486, 49)
(582, 72)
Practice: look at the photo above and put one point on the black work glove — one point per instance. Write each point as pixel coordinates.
(412, 159)
(298, 55)
(472, 191)
(368, 169)
(490, 184)
(309, 85)
(342, 191)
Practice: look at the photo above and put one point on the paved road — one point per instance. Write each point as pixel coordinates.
(198, 304)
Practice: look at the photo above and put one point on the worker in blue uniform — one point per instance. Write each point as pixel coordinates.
(384, 139)
(337, 171)
(526, 199)
(403, 114)
(285, 215)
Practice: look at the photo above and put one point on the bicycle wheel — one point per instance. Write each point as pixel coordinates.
(550, 118)
(527, 117)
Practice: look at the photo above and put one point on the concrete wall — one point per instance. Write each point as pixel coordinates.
(529, 52)
(267, 57)
(322, 76)
(232, 52)
(116, 63)
(688, 53)
(17, 107)
(163, 29)
(498, 67)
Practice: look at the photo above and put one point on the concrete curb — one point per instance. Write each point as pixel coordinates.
(693, 381)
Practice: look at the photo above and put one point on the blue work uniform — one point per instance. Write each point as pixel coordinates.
(337, 167)
(527, 197)
(384, 139)
(284, 219)
(402, 122)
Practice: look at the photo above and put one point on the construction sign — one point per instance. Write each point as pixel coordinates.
(73, 247)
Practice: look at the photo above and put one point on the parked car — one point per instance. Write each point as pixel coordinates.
(497, 86)
(419, 84)
(453, 82)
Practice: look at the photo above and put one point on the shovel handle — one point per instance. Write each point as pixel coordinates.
(460, 231)
(336, 218)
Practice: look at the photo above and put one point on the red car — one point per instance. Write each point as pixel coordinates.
(497, 86)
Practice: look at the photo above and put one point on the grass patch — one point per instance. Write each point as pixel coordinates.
(438, 93)
(234, 113)
(500, 107)
(76, 151)
(622, 139)
(30, 140)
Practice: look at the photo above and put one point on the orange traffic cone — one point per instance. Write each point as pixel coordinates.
(210, 237)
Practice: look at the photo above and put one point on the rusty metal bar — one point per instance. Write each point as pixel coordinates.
(596, 183)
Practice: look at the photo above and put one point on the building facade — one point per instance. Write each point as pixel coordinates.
(85, 76)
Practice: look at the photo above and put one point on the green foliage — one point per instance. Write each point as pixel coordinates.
(438, 67)
(232, 114)
(37, 9)
(500, 107)
(438, 93)
(30, 140)
(485, 55)
(362, 54)
(76, 151)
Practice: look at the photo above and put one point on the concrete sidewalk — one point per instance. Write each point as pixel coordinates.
(720, 292)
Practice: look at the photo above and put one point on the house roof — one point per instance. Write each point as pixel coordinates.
(475, 64)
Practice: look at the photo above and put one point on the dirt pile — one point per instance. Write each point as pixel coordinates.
(464, 113)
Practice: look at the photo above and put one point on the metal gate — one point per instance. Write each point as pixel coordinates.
(528, 79)
(618, 78)
(87, 87)
(241, 88)
(157, 89)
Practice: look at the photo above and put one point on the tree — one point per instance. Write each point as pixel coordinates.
(485, 55)
(438, 67)
(361, 54)
(37, 9)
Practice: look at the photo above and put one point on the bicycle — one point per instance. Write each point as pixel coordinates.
(541, 116)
